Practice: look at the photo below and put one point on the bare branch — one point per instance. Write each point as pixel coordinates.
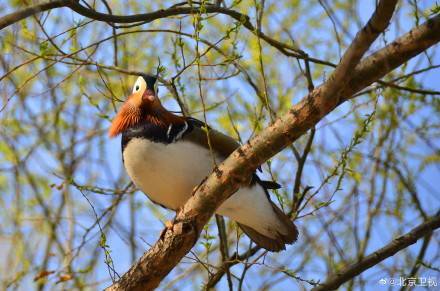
(363, 40)
(22, 14)
(227, 264)
(393, 55)
(244, 19)
(178, 10)
(378, 256)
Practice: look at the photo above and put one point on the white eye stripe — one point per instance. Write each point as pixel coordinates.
(140, 85)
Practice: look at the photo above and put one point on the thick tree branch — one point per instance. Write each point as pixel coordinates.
(363, 40)
(378, 256)
(157, 262)
(393, 55)
(22, 14)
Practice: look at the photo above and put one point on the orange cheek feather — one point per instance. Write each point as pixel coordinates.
(128, 116)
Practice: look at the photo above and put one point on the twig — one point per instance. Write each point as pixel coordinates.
(398, 244)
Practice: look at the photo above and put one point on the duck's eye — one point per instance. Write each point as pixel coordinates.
(137, 87)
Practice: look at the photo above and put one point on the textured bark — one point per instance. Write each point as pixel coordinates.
(157, 262)
(378, 256)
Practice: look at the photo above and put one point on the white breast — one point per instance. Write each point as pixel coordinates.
(168, 173)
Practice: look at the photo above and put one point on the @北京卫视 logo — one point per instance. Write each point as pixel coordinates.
(409, 282)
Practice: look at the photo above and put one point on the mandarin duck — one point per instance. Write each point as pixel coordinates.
(167, 156)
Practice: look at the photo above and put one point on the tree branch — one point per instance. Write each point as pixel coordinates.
(22, 14)
(227, 264)
(143, 18)
(378, 256)
(224, 251)
(157, 262)
(178, 10)
(363, 40)
(393, 55)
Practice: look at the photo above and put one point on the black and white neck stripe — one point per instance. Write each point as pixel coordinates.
(156, 133)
